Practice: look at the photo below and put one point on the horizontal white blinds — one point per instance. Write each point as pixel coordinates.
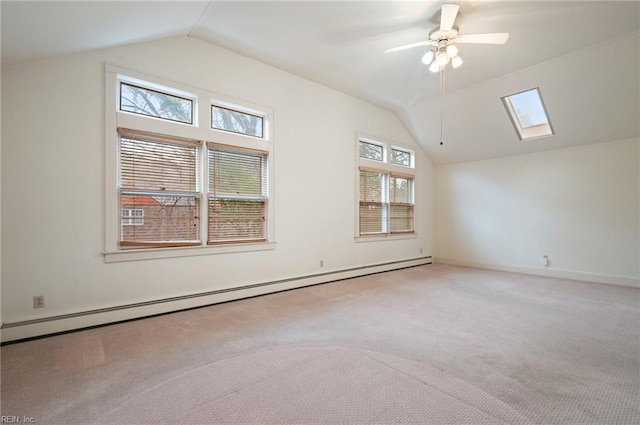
(401, 218)
(372, 218)
(371, 186)
(386, 203)
(372, 210)
(158, 180)
(237, 172)
(237, 196)
(168, 220)
(399, 189)
(157, 165)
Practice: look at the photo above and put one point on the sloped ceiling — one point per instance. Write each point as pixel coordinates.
(583, 55)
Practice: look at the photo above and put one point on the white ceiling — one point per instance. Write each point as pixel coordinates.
(561, 47)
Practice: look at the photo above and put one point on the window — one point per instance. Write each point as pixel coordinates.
(400, 157)
(373, 208)
(172, 182)
(238, 195)
(153, 103)
(385, 189)
(401, 205)
(370, 151)
(528, 114)
(159, 178)
(236, 121)
(132, 217)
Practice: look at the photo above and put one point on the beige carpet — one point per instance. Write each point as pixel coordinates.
(427, 345)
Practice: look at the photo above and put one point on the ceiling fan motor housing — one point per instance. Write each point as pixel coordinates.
(437, 35)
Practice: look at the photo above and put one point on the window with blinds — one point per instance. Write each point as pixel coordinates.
(237, 210)
(386, 195)
(373, 209)
(400, 204)
(174, 180)
(158, 178)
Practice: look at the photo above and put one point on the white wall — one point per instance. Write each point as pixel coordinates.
(53, 179)
(577, 205)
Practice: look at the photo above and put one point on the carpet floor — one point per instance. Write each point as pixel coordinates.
(434, 344)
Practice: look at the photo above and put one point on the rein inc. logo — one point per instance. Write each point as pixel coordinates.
(16, 420)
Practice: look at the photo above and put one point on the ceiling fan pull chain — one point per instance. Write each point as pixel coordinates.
(442, 82)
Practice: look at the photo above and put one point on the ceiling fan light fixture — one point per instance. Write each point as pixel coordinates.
(434, 67)
(428, 57)
(456, 61)
(452, 50)
(442, 58)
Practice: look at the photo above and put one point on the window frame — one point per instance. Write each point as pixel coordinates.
(239, 110)
(165, 91)
(388, 169)
(213, 196)
(537, 131)
(200, 130)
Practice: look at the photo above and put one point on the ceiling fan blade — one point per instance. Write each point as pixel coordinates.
(447, 16)
(411, 46)
(491, 38)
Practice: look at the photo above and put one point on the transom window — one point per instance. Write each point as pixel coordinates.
(400, 157)
(371, 151)
(154, 103)
(236, 122)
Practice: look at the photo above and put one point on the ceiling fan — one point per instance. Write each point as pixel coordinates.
(445, 37)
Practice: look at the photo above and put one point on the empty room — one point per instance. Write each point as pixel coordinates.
(320, 212)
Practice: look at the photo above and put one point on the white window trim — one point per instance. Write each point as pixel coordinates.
(200, 130)
(388, 168)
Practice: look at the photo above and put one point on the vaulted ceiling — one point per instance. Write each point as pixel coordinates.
(583, 55)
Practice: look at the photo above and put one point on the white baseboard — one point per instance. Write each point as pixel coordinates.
(68, 322)
(544, 271)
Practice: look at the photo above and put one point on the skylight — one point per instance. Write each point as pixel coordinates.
(528, 114)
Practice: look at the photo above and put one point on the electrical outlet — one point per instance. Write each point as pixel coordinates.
(545, 260)
(420, 250)
(321, 263)
(38, 301)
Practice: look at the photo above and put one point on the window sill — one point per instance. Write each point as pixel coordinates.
(379, 238)
(183, 251)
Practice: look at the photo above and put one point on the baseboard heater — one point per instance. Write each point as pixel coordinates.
(28, 329)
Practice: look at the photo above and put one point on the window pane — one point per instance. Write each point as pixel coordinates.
(237, 200)
(528, 114)
(237, 173)
(237, 220)
(166, 219)
(528, 108)
(153, 103)
(399, 189)
(157, 165)
(401, 219)
(132, 217)
(400, 157)
(236, 122)
(371, 186)
(373, 218)
(370, 151)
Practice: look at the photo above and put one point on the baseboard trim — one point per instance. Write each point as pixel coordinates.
(544, 271)
(28, 329)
